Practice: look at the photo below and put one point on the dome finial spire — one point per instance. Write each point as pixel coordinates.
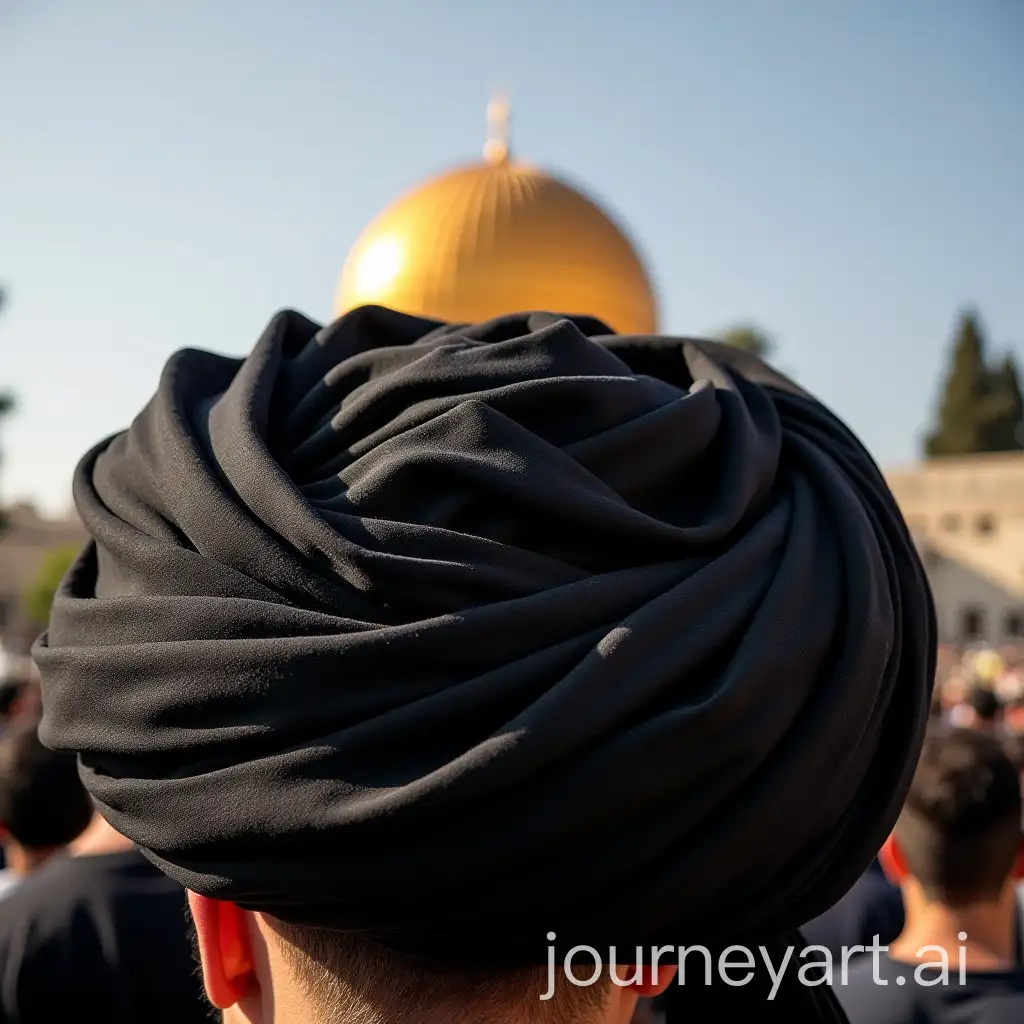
(496, 148)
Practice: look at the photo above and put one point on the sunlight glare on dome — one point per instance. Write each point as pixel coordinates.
(379, 265)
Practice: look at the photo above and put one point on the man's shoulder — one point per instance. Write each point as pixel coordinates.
(40, 886)
(876, 991)
(43, 901)
(29, 918)
(1002, 1010)
(891, 992)
(90, 937)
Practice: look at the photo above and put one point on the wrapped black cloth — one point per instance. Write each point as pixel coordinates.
(461, 634)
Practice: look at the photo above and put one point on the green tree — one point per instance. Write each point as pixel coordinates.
(1004, 409)
(38, 596)
(961, 428)
(749, 338)
(981, 408)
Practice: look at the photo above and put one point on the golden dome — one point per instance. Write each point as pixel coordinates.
(498, 237)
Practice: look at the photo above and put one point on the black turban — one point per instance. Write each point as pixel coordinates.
(460, 634)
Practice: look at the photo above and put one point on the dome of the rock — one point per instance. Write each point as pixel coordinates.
(499, 237)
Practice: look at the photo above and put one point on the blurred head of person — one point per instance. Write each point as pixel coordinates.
(984, 709)
(955, 847)
(43, 804)
(11, 700)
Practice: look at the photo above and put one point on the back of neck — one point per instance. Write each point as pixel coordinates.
(980, 936)
(99, 838)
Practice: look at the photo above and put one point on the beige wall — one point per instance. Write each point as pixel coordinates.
(968, 515)
(971, 608)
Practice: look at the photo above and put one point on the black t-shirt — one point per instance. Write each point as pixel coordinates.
(984, 997)
(98, 938)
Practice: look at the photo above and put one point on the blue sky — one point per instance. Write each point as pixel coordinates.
(846, 173)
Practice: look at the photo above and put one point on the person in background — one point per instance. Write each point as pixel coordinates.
(30, 701)
(10, 706)
(1014, 716)
(954, 852)
(1013, 744)
(987, 710)
(99, 935)
(43, 805)
(11, 700)
(980, 709)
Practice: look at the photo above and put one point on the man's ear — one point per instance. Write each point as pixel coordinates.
(894, 864)
(225, 949)
(652, 981)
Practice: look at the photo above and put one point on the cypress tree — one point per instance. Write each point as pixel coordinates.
(1004, 409)
(963, 420)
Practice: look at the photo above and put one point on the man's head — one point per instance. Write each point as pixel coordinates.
(400, 628)
(987, 707)
(43, 805)
(260, 969)
(11, 698)
(958, 837)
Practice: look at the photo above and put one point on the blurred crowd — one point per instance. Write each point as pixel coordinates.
(980, 684)
(89, 929)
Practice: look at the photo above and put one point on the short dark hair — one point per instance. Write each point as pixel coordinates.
(42, 800)
(985, 703)
(348, 978)
(960, 828)
(10, 691)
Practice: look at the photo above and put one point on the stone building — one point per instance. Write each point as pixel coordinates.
(967, 514)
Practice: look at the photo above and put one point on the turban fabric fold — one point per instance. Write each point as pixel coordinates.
(462, 634)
